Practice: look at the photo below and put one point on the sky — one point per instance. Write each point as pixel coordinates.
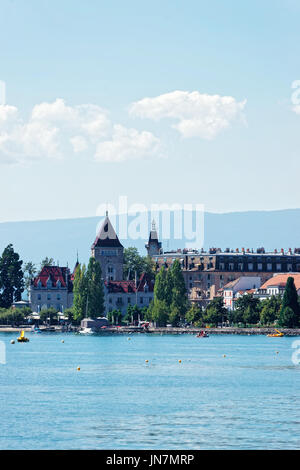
(162, 102)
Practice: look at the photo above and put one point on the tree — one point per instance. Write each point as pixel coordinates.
(47, 262)
(11, 277)
(178, 289)
(135, 264)
(29, 273)
(160, 285)
(193, 315)
(160, 312)
(80, 293)
(270, 310)
(174, 315)
(114, 317)
(133, 314)
(290, 300)
(247, 310)
(95, 291)
(215, 312)
(287, 318)
(48, 314)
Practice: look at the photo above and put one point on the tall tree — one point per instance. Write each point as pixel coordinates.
(179, 293)
(270, 310)
(160, 312)
(215, 312)
(160, 285)
(95, 290)
(247, 310)
(80, 293)
(290, 301)
(193, 315)
(11, 277)
(29, 273)
(134, 263)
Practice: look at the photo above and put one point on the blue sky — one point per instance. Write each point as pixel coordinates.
(187, 144)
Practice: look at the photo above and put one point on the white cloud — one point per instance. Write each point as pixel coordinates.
(127, 144)
(56, 130)
(198, 115)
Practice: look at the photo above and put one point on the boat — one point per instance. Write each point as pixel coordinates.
(87, 331)
(202, 334)
(22, 338)
(36, 329)
(276, 335)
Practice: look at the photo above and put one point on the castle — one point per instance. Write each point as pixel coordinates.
(205, 273)
(53, 287)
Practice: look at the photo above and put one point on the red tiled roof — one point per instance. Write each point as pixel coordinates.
(279, 280)
(129, 287)
(55, 273)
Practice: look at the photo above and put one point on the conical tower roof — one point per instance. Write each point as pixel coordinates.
(153, 233)
(107, 236)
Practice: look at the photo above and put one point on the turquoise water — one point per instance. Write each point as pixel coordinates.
(246, 400)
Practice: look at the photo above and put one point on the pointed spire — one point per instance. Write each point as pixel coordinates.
(107, 235)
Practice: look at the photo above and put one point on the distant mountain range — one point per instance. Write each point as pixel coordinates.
(61, 238)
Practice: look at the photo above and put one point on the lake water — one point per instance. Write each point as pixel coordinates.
(246, 400)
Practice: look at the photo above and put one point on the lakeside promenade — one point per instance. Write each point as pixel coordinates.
(163, 330)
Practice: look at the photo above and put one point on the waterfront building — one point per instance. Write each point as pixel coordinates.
(52, 288)
(109, 252)
(207, 272)
(240, 286)
(276, 285)
(153, 246)
(119, 292)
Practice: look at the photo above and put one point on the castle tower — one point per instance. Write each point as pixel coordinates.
(108, 251)
(153, 246)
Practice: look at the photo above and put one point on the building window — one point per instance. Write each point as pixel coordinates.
(250, 266)
(48, 296)
(110, 300)
(141, 300)
(269, 266)
(259, 266)
(58, 297)
(109, 253)
(39, 297)
(278, 266)
(129, 300)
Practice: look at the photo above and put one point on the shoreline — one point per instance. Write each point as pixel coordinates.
(165, 330)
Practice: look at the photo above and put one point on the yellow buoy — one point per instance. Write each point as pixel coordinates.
(78, 368)
(179, 361)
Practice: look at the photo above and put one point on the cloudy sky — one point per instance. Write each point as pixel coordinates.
(163, 102)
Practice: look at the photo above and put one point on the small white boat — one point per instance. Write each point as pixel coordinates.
(86, 331)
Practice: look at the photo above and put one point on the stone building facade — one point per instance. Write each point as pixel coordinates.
(51, 288)
(109, 252)
(206, 273)
(119, 292)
